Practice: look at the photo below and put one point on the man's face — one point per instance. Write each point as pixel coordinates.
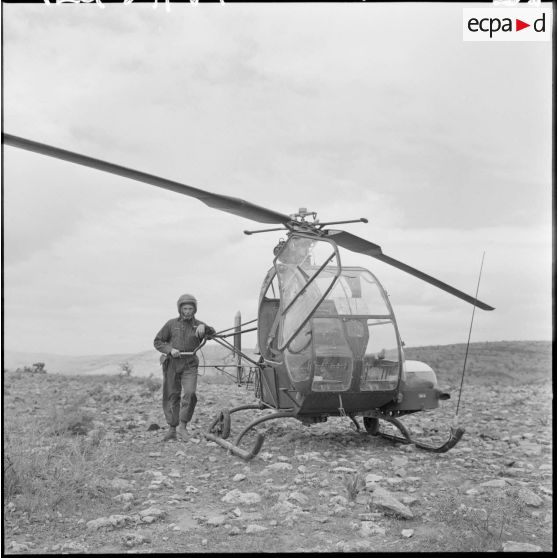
(187, 311)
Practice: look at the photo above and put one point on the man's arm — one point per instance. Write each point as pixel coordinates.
(203, 330)
(161, 341)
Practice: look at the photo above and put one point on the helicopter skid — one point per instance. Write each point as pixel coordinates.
(454, 437)
(220, 429)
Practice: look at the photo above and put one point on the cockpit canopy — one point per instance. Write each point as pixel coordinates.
(333, 320)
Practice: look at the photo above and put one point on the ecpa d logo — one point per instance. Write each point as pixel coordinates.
(527, 23)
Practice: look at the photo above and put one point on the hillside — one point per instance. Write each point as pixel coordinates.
(142, 364)
(511, 362)
(501, 361)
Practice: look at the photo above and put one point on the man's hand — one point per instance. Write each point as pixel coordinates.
(200, 331)
(175, 353)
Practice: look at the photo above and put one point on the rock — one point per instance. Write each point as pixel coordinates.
(340, 500)
(298, 497)
(353, 546)
(237, 497)
(512, 546)
(408, 500)
(369, 528)
(111, 521)
(120, 484)
(175, 474)
(494, 483)
(153, 512)
(19, 547)
(235, 531)
(407, 533)
(283, 507)
(373, 463)
(216, 520)
(239, 477)
(253, 528)
(531, 450)
(529, 498)
(385, 501)
(153, 426)
(281, 466)
(134, 539)
(124, 497)
(344, 470)
(371, 480)
(363, 498)
(95, 524)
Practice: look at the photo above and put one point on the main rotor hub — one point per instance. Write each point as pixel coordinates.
(302, 214)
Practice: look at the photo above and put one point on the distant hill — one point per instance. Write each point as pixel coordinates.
(487, 362)
(142, 364)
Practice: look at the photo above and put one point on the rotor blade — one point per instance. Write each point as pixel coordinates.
(357, 244)
(228, 204)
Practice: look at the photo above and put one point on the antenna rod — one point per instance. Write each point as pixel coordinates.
(469, 338)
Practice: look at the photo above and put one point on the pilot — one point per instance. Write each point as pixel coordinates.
(180, 373)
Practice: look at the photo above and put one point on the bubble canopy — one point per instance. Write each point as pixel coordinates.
(334, 320)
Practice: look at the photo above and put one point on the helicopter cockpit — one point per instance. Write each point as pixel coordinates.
(335, 325)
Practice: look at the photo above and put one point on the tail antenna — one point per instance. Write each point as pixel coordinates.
(469, 339)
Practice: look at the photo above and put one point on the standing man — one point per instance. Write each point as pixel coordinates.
(180, 373)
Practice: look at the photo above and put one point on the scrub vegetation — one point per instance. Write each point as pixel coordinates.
(85, 470)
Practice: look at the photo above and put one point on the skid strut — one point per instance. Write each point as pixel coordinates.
(454, 437)
(220, 428)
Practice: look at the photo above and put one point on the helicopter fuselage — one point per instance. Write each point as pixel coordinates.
(329, 341)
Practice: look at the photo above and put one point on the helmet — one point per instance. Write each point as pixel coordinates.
(187, 299)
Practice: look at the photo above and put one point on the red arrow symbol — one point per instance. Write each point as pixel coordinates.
(519, 25)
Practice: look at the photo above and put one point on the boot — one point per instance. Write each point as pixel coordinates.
(171, 434)
(182, 431)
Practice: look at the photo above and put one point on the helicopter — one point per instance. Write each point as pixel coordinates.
(327, 336)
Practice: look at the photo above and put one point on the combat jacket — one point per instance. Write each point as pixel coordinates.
(179, 333)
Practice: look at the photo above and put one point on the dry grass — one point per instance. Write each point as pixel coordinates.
(483, 526)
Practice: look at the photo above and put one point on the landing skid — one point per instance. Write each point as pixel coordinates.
(373, 428)
(219, 430)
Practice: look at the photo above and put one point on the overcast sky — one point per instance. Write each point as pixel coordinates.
(351, 110)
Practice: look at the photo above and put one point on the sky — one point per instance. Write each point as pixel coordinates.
(375, 110)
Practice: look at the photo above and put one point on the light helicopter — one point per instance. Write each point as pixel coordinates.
(327, 337)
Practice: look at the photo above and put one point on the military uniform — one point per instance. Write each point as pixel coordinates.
(180, 374)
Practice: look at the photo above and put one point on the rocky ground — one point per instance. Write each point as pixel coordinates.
(86, 472)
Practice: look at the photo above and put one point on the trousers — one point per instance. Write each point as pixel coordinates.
(179, 379)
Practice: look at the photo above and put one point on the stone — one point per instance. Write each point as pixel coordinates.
(344, 470)
(216, 520)
(253, 528)
(495, 483)
(371, 480)
(369, 528)
(298, 497)
(239, 477)
(120, 484)
(385, 501)
(124, 497)
(512, 546)
(363, 498)
(237, 497)
(407, 533)
(152, 511)
(529, 498)
(281, 466)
